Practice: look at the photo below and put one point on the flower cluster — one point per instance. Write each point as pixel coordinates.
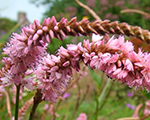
(112, 55)
(25, 49)
(82, 116)
(54, 76)
(119, 61)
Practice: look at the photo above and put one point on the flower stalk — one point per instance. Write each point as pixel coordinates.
(37, 99)
(17, 101)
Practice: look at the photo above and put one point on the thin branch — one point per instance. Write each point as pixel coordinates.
(85, 94)
(147, 15)
(89, 10)
(137, 109)
(144, 117)
(8, 104)
(129, 118)
(78, 101)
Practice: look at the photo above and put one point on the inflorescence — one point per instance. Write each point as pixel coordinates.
(114, 56)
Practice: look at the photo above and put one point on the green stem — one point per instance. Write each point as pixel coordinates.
(107, 95)
(99, 98)
(96, 111)
(103, 93)
(33, 110)
(37, 100)
(17, 102)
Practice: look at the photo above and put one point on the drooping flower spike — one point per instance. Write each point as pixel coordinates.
(113, 56)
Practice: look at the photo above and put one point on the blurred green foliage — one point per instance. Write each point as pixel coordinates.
(6, 24)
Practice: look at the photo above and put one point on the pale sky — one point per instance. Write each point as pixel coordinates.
(10, 9)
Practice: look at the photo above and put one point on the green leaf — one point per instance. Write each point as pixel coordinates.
(95, 77)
